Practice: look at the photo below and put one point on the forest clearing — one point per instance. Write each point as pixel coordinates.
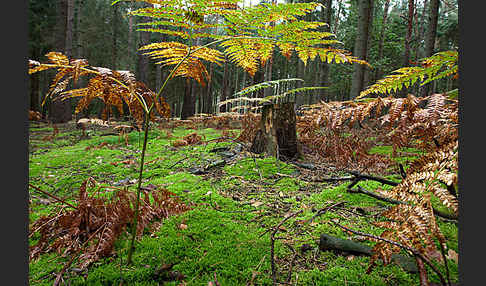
(241, 143)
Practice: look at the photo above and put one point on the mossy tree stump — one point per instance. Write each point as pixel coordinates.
(277, 135)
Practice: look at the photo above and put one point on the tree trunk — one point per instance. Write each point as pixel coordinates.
(143, 61)
(79, 30)
(114, 47)
(324, 66)
(276, 135)
(208, 99)
(224, 90)
(379, 72)
(408, 39)
(367, 76)
(60, 111)
(188, 103)
(430, 36)
(361, 46)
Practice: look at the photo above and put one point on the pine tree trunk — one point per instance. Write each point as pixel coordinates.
(408, 38)
(276, 135)
(188, 103)
(114, 47)
(379, 72)
(361, 46)
(224, 90)
(143, 61)
(430, 36)
(367, 76)
(60, 111)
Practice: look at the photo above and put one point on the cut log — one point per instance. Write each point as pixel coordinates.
(277, 135)
(332, 243)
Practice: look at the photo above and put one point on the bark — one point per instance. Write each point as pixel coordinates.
(143, 61)
(69, 28)
(367, 77)
(276, 135)
(379, 72)
(79, 30)
(408, 39)
(60, 111)
(361, 46)
(114, 47)
(208, 99)
(323, 65)
(224, 90)
(430, 36)
(188, 103)
(338, 14)
(332, 243)
(130, 40)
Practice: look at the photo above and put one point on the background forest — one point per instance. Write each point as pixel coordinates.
(355, 182)
(388, 34)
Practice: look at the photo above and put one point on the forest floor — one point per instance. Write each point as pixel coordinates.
(236, 199)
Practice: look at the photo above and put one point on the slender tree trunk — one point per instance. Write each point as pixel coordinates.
(326, 15)
(408, 39)
(430, 36)
(338, 14)
(188, 103)
(69, 28)
(79, 29)
(379, 72)
(130, 41)
(361, 46)
(60, 111)
(114, 47)
(208, 100)
(143, 61)
(224, 90)
(367, 77)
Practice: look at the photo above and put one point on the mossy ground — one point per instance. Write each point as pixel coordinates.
(227, 233)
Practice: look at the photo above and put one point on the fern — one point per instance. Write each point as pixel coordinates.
(274, 84)
(440, 65)
(113, 88)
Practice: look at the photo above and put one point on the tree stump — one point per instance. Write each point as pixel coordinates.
(277, 135)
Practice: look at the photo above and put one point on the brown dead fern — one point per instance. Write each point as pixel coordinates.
(105, 218)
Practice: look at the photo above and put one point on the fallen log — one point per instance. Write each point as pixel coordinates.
(332, 243)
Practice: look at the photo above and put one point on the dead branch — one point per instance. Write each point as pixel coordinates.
(52, 196)
(410, 249)
(437, 212)
(272, 244)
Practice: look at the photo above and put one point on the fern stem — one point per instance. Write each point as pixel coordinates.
(137, 203)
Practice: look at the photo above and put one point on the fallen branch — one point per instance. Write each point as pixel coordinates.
(410, 249)
(328, 242)
(437, 212)
(52, 196)
(373, 178)
(272, 244)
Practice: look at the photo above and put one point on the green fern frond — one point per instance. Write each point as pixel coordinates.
(440, 65)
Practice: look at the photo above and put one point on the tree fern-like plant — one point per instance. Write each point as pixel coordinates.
(247, 39)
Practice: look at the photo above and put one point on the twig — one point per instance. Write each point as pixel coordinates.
(324, 210)
(52, 196)
(410, 249)
(368, 177)
(255, 272)
(289, 277)
(272, 244)
(393, 201)
(59, 276)
(173, 165)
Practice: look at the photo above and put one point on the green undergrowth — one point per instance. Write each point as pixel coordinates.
(226, 233)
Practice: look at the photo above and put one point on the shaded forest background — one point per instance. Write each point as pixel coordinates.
(389, 34)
